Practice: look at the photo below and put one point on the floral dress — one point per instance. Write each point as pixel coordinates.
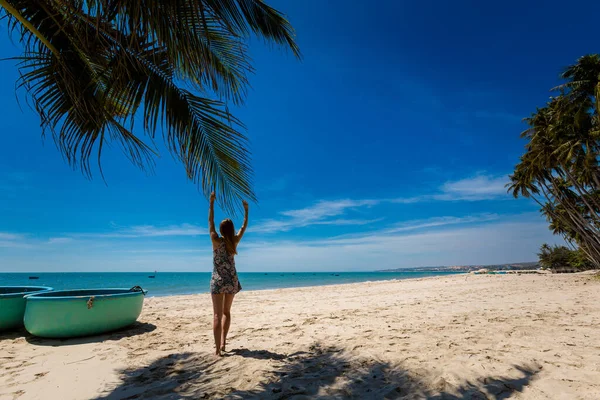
(224, 277)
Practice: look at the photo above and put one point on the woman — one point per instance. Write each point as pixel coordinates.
(224, 283)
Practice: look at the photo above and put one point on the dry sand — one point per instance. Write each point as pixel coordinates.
(464, 336)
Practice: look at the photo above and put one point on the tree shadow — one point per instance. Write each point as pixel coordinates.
(166, 377)
(499, 388)
(317, 373)
(258, 354)
(330, 373)
(138, 328)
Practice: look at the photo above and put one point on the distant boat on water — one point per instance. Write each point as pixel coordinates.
(152, 276)
(34, 277)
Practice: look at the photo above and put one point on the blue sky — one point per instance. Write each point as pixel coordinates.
(388, 146)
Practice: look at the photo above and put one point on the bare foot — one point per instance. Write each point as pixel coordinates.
(218, 354)
(223, 348)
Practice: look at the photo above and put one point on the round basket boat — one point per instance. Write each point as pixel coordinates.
(12, 304)
(83, 312)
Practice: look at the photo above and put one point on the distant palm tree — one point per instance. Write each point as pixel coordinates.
(94, 67)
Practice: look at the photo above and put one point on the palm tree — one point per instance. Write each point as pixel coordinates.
(583, 80)
(562, 259)
(560, 168)
(94, 67)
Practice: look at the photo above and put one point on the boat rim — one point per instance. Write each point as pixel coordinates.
(39, 289)
(89, 293)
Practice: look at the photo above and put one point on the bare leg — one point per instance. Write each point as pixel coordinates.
(217, 300)
(226, 319)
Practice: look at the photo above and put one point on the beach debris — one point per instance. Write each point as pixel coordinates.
(78, 361)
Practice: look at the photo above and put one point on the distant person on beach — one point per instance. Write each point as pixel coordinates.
(224, 283)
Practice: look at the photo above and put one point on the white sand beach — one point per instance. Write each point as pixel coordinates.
(453, 337)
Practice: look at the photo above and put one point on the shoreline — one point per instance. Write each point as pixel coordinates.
(315, 287)
(459, 336)
(515, 272)
(589, 273)
(251, 281)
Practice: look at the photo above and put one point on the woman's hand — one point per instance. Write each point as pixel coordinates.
(245, 203)
(213, 196)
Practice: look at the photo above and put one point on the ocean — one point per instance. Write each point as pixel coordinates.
(177, 283)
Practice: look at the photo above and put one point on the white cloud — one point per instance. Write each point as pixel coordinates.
(350, 239)
(327, 209)
(476, 188)
(11, 236)
(175, 250)
(441, 221)
(342, 222)
(479, 187)
(480, 239)
(140, 231)
(171, 230)
(324, 212)
(420, 225)
(12, 244)
(317, 214)
(60, 240)
(477, 239)
(21, 241)
(408, 200)
(490, 243)
(13, 240)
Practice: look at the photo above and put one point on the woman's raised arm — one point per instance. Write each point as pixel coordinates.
(211, 217)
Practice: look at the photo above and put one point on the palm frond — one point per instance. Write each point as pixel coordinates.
(110, 61)
(245, 16)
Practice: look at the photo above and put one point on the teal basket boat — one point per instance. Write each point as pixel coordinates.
(73, 313)
(12, 304)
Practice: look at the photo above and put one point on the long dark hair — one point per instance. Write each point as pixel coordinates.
(228, 232)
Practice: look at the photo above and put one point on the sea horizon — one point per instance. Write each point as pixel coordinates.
(187, 283)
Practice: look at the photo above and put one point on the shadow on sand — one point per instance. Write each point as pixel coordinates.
(258, 354)
(317, 373)
(138, 328)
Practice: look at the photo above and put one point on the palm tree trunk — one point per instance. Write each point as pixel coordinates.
(581, 191)
(576, 223)
(568, 242)
(15, 13)
(596, 180)
(590, 252)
